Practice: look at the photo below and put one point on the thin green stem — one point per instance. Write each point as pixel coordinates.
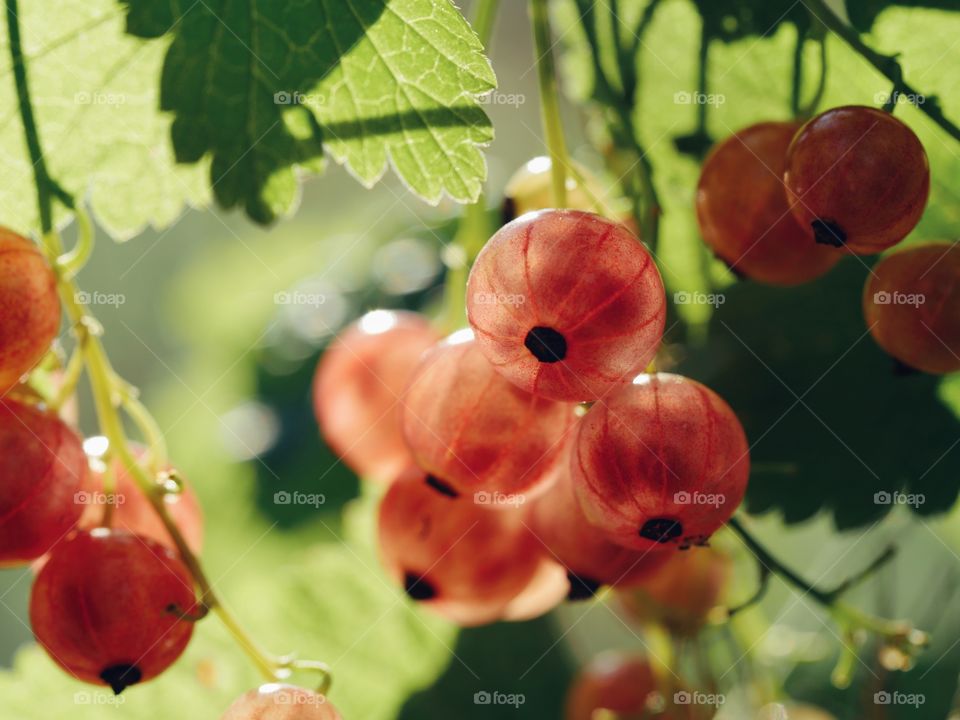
(550, 101)
(471, 235)
(887, 65)
(796, 78)
(70, 263)
(484, 19)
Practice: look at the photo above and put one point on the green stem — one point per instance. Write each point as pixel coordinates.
(470, 238)
(549, 101)
(796, 79)
(484, 19)
(887, 65)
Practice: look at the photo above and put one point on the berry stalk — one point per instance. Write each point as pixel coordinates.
(549, 100)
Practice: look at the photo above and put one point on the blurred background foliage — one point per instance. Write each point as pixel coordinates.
(227, 367)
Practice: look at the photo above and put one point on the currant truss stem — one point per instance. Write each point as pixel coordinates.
(109, 391)
(550, 100)
(885, 64)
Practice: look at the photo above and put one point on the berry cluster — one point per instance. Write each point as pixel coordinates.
(853, 180)
(540, 459)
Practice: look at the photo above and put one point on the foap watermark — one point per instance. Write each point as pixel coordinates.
(489, 298)
(684, 697)
(94, 698)
(100, 298)
(499, 98)
(298, 297)
(285, 97)
(698, 98)
(699, 298)
(299, 698)
(282, 497)
(699, 498)
(483, 497)
(483, 697)
(882, 98)
(898, 698)
(898, 498)
(896, 297)
(100, 98)
(83, 497)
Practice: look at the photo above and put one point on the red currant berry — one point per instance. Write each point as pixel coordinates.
(589, 558)
(43, 473)
(358, 389)
(912, 306)
(104, 607)
(664, 460)
(623, 685)
(275, 701)
(858, 177)
(743, 210)
(29, 307)
(457, 558)
(469, 426)
(566, 304)
(133, 511)
(548, 587)
(681, 593)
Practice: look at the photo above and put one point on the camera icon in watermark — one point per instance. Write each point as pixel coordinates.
(314, 500)
(896, 497)
(685, 697)
(483, 697)
(684, 297)
(699, 498)
(882, 98)
(882, 297)
(684, 97)
(484, 497)
(100, 298)
(297, 297)
(898, 698)
(489, 298)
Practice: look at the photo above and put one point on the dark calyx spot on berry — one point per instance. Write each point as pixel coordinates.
(508, 211)
(441, 487)
(661, 530)
(546, 344)
(581, 588)
(827, 232)
(120, 677)
(417, 588)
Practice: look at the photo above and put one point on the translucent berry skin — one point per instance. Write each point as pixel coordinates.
(134, 513)
(358, 386)
(743, 212)
(566, 304)
(680, 593)
(466, 424)
(42, 469)
(663, 461)
(455, 557)
(859, 177)
(29, 307)
(99, 607)
(589, 558)
(547, 588)
(276, 701)
(911, 303)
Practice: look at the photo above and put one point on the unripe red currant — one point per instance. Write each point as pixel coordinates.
(743, 212)
(358, 388)
(105, 605)
(911, 303)
(29, 307)
(474, 430)
(43, 475)
(664, 460)
(566, 304)
(858, 177)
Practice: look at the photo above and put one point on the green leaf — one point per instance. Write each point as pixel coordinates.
(264, 87)
(94, 95)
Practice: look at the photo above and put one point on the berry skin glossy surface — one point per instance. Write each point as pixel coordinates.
(452, 556)
(858, 177)
(42, 468)
(29, 307)
(358, 388)
(911, 303)
(566, 304)
(99, 607)
(276, 701)
(663, 461)
(743, 212)
(466, 424)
